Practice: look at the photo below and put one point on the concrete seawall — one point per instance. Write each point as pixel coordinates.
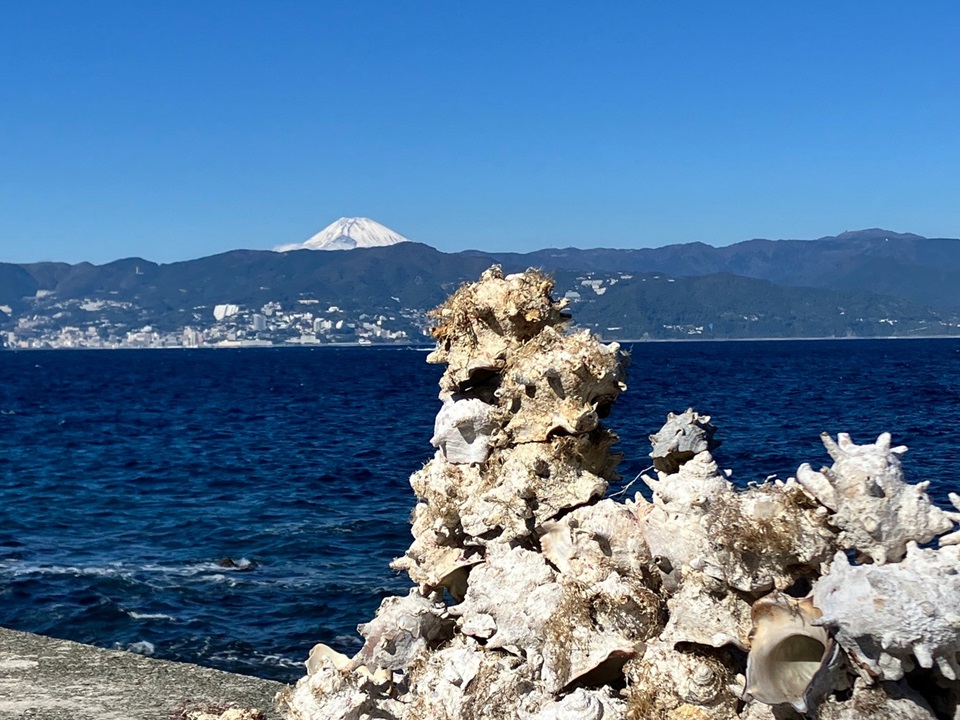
(43, 678)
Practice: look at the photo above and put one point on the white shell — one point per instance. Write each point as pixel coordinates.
(680, 438)
(462, 431)
(402, 627)
(712, 618)
(515, 603)
(876, 511)
(884, 616)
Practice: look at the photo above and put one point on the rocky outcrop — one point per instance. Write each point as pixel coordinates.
(536, 598)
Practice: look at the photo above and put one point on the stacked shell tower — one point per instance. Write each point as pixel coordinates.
(537, 598)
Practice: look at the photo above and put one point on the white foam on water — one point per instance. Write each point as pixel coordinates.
(150, 616)
(141, 647)
(21, 569)
(256, 658)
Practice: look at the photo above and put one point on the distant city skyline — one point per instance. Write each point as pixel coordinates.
(176, 130)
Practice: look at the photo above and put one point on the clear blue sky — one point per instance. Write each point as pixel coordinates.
(172, 130)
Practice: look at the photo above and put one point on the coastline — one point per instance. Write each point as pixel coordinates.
(49, 679)
(430, 346)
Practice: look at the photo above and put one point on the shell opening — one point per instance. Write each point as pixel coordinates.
(793, 663)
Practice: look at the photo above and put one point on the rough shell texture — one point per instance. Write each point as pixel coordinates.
(330, 692)
(402, 627)
(504, 500)
(954, 537)
(752, 541)
(690, 682)
(680, 438)
(890, 701)
(516, 603)
(876, 511)
(712, 618)
(560, 384)
(482, 322)
(592, 540)
(884, 616)
(581, 704)
(463, 680)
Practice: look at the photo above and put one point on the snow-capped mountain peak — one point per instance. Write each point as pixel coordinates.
(347, 234)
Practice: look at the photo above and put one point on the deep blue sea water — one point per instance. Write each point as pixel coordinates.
(128, 477)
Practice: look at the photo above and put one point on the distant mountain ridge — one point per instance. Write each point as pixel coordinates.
(925, 270)
(857, 283)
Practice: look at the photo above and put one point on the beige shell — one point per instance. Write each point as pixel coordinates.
(786, 652)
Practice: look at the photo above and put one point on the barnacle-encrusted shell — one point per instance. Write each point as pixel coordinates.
(711, 617)
(401, 628)
(594, 539)
(516, 603)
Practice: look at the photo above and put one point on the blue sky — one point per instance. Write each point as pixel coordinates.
(171, 130)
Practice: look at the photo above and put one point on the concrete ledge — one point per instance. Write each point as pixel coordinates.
(43, 678)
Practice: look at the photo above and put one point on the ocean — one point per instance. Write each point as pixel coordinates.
(234, 507)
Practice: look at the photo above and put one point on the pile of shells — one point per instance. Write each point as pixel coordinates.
(536, 598)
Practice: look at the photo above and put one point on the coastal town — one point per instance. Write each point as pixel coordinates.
(106, 324)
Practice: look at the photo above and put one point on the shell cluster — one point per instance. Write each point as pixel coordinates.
(537, 598)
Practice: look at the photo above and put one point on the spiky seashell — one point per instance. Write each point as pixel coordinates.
(402, 627)
(672, 527)
(680, 438)
(752, 541)
(463, 430)
(954, 537)
(707, 617)
(688, 682)
(876, 511)
(787, 651)
(885, 616)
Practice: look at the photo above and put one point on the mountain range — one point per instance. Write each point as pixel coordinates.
(864, 283)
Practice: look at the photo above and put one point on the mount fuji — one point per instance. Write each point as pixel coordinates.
(348, 234)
